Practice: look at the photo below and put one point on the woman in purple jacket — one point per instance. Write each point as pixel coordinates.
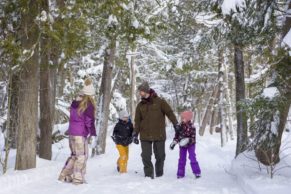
(81, 128)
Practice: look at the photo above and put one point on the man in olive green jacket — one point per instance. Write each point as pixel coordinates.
(150, 125)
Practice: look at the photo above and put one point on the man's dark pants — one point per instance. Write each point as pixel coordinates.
(159, 151)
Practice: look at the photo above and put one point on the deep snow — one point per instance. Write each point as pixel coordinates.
(220, 174)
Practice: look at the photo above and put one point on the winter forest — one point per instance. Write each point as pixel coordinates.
(227, 62)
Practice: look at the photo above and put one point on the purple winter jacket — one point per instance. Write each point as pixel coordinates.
(83, 124)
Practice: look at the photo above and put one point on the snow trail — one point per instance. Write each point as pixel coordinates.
(102, 177)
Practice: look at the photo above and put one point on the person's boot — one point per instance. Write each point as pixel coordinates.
(66, 179)
(150, 176)
(197, 176)
(77, 183)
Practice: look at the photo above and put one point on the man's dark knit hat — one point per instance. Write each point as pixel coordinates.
(144, 87)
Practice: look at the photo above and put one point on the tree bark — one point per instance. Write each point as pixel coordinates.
(46, 115)
(13, 109)
(132, 85)
(58, 70)
(53, 79)
(28, 90)
(198, 109)
(104, 99)
(214, 120)
(46, 92)
(176, 96)
(207, 115)
(222, 114)
(242, 138)
(220, 99)
(228, 107)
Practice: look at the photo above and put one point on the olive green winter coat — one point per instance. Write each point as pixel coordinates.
(150, 118)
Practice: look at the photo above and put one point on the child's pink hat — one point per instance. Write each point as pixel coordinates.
(188, 115)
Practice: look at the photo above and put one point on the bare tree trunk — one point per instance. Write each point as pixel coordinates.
(248, 75)
(46, 115)
(53, 79)
(46, 93)
(242, 138)
(28, 91)
(221, 104)
(105, 98)
(114, 83)
(194, 110)
(228, 110)
(214, 120)
(59, 76)
(133, 84)
(207, 115)
(198, 110)
(176, 95)
(222, 115)
(185, 95)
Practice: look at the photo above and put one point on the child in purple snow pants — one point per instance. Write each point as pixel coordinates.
(186, 137)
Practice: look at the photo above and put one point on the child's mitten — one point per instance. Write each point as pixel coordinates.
(184, 142)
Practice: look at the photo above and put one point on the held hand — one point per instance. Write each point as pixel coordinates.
(134, 134)
(177, 128)
(173, 144)
(134, 138)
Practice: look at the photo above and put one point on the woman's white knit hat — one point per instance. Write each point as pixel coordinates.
(123, 114)
(88, 88)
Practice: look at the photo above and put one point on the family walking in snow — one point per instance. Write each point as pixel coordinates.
(149, 125)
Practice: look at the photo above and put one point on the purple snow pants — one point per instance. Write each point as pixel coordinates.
(193, 162)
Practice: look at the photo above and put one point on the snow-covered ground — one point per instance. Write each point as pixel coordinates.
(220, 174)
(255, 179)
